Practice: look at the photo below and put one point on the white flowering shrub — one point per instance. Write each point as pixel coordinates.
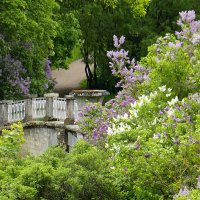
(174, 59)
(151, 130)
(156, 146)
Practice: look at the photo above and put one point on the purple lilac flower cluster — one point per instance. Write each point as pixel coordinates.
(124, 68)
(185, 41)
(185, 191)
(50, 82)
(16, 74)
(99, 118)
(130, 74)
(187, 38)
(190, 27)
(196, 97)
(47, 67)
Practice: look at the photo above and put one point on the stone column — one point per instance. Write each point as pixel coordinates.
(28, 107)
(4, 115)
(50, 97)
(88, 96)
(70, 100)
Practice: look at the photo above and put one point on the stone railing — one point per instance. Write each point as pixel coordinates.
(49, 108)
(38, 108)
(16, 111)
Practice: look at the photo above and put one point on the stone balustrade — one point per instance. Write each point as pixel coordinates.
(50, 107)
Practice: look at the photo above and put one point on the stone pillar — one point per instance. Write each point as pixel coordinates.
(70, 100)
(49, 105)
(4, 115)
(88, 96)
(28, 107)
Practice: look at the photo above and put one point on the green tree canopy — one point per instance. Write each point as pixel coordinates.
(99, 21)
(27, 30)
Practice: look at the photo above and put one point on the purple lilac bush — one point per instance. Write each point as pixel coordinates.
(50, 83)
(152, 128)
(135, 79)
(16, 75)
(130, 75)
(175, 58)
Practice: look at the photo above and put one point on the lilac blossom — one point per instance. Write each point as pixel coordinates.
(16, 74)
(190, 27)
(176, 119)
(47, 67)
(161, 112)
(130, 74)
(183, 192)
(124, 68)
(137, 146)
(196, 97)
(115, 40)
(121, 40)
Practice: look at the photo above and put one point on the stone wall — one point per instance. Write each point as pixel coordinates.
(38, 139)
(41, 135)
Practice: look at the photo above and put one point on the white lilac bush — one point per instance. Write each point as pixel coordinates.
(175, 59)
(152, 128)
(157, 145)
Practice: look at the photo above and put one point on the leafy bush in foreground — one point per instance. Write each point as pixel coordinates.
(149, 142)
(81, 174)
(156, 147)
(11, 140)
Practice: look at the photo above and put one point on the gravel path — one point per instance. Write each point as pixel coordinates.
(69, 79)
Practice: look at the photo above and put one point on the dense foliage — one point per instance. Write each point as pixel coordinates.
(27, 31)
(98, 22)
(158, 21)
(82, 174)
(151, 129)
(31, 33)
(11, 140)
(144, 144)
(168, 56)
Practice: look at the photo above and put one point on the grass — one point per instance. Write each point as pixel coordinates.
(76, 54)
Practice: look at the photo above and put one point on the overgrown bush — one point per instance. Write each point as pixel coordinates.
(151, 128)
(81, 174)
(11, 140)
(144, 144)
(157, 145)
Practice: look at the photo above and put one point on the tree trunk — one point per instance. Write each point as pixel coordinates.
(88, 71)
(95, 73)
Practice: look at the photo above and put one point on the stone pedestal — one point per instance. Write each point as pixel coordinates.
(88, 96)
(28, 107)
(4, 111)
(70, 100)
(49, 104)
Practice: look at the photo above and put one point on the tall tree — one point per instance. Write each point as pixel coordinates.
(67, 37)
(27, 29)
(161, 18)
(99, 21)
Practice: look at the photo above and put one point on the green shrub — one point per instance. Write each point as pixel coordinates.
(81, 174)
(156, 148)
(11, 140)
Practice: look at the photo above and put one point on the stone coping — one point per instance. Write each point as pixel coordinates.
(51, 95)
(89, 93)
(52, 124)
